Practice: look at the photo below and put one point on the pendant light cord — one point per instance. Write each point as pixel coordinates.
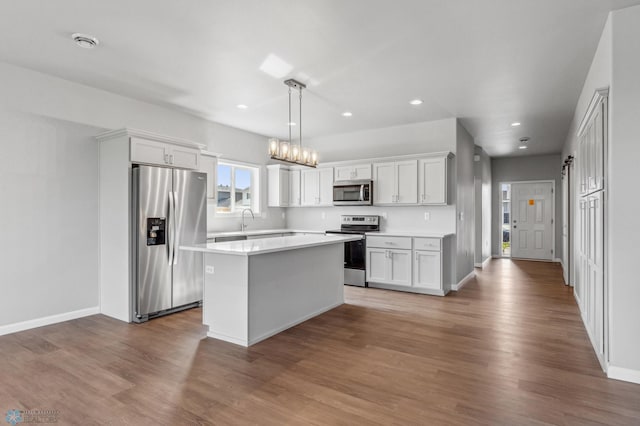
(289, 123)
(300, 119)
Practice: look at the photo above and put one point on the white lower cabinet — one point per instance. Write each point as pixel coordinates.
(414, 264)
(389, 266)
(427, 269)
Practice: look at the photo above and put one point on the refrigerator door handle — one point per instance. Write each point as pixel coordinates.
(176, 239)
(170, 236)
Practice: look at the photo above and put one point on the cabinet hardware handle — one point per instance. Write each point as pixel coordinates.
(166, 158)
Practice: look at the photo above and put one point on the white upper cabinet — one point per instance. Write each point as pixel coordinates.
(209, 165)
(309, 187)
(316, 187)
(395, 182)
(278, 186)
(294, 188)
(432, 180)
(145, 151)
(384, 183)
(353, 172)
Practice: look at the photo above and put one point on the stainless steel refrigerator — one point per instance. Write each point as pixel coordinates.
(169, 209)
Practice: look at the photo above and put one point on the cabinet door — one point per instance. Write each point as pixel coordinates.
(377, 265)
(407, 182)
(325, 181)
(294, 188)
(432, 181)
(598, 149)
(284, 188)
(209, 165)
(310, 188)
(384, 185)
(344, 173)
(362, 172)
(427, 270)
(400, 267)
(184, 157)
(149, 152)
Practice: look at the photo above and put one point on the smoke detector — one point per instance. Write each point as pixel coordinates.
(85, 41)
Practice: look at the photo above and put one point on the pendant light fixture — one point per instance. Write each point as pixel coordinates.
(287, 151)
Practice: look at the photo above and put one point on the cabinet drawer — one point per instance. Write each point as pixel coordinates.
(426, 244)
(389, 242)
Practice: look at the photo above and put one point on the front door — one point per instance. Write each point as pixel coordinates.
(532, 220)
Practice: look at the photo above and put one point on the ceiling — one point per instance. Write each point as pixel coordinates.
(488, 62)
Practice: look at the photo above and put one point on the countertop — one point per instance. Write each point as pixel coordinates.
(271, 245)
(409, 234)
(259, 232)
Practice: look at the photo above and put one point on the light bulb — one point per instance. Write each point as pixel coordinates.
(295, 153)
(284, 150)
(314, 158)
(273, 146)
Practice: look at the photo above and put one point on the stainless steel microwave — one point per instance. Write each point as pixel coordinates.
(353, 193)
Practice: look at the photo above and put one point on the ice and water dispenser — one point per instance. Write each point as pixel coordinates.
(156, 231)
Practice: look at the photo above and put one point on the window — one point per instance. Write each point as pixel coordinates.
(238, 188)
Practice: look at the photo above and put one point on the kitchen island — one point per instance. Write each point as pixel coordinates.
(254, 289)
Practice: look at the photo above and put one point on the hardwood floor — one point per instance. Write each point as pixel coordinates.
(507, 349)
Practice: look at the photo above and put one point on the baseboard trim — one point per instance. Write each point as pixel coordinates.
(483, 264)
(463, 281)
(52, 319)
(624, 374)
(558, 260)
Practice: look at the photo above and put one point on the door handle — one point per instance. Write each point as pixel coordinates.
(176, 239)
(361, 192)
(170, 236)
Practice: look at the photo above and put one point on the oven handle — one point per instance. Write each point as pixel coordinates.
(362, 192)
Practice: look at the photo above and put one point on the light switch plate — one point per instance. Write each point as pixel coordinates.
(209, 269)
(427, 215)
(384, 215)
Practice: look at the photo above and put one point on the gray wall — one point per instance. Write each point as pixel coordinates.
(49, 217)
(465, 203)
(515, 169)
(482, 176)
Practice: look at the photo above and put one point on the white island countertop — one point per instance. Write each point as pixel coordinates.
(271, 245)
(416, 234)
(258, 232)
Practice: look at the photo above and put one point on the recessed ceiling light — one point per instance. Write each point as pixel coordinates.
(242, 106)
(347, 114)
(84, 40)
(515, 124)
(522, 147)
(416, 101)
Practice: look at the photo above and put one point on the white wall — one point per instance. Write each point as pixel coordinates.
(515, 169)
(465, 203)
(49, 217)
(410, 219)
(482, 177)
(623, 201)
(416, 138)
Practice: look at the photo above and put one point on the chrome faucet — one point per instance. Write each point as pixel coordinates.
(243, 226)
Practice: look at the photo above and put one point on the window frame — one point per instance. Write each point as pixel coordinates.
(255, 190)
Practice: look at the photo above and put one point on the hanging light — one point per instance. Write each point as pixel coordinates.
(286, 150)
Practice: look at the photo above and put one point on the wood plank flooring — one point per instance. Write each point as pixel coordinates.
(508, 349)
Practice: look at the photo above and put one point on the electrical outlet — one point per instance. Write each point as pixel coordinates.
(384, 215)
(427, 216)
(284, 215)
(323, 215)
(209, 269)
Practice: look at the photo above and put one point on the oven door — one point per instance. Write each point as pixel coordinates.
(352, 193)
(354, 254)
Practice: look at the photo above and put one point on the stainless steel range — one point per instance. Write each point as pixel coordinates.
(355, 252)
